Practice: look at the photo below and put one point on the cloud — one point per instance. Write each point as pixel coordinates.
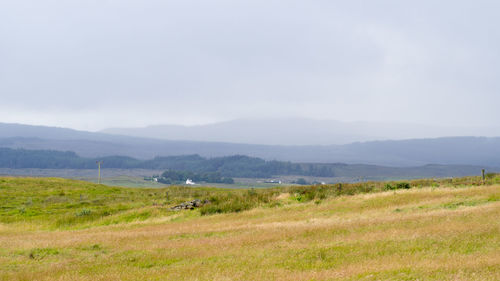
(94, 64)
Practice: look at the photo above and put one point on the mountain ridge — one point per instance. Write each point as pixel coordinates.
(413, 152)
(298, 131)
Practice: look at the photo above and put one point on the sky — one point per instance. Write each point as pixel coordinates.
(93, 64)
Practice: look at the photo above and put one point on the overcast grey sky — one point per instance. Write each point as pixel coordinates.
(92, 64)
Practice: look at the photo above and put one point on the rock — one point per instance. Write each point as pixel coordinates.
(197, 203)
(190, 205)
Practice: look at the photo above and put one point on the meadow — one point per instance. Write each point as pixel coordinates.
(59, 229)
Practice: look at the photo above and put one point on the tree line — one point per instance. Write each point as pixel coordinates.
(227, 166)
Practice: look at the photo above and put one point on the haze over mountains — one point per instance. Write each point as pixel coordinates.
(482, 151)
(300, 131)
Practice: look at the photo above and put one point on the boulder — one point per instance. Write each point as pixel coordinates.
(190, 205)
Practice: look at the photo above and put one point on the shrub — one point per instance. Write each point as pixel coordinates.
(84, 212)
(403, 185)
(40, 253)
(252, 192)
(491, 175)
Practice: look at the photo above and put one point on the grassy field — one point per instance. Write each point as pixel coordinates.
(56, 229)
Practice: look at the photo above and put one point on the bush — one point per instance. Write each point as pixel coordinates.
(491, 175)
(403, 185)
(252, 192)
(84, 212)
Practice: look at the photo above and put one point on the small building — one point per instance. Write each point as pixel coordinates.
(273, 181)
(189, 182)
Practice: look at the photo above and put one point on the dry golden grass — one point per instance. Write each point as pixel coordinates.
(417, 234)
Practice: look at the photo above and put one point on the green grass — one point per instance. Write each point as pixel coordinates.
(72, 230)
(128, 181)
(66, 203)
(61, 203)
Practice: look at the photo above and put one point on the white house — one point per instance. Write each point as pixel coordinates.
(190, 182)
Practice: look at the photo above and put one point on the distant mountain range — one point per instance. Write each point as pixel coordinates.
(480, 151)
(299, 131)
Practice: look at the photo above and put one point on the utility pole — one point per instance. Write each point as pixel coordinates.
(99, 175)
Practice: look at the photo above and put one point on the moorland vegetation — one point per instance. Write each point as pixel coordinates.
(57, 229)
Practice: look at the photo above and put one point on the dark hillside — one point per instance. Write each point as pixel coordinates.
(238, 166)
